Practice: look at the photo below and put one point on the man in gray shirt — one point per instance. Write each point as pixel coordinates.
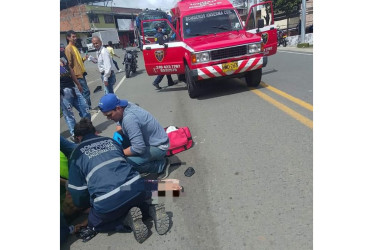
(144, 140)
(105, 64)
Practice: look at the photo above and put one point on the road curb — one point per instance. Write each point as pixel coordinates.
(296, 49)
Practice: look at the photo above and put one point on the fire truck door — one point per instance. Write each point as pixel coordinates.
(260, 21)
(163, 52)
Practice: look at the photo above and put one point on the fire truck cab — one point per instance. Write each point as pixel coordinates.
(206, 39)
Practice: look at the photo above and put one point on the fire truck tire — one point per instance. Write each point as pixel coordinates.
(253, 78)
(193, 89)
(182, 77)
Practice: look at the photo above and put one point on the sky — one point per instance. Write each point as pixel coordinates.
(142, 4)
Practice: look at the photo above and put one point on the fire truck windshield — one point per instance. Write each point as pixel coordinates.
(210, 23)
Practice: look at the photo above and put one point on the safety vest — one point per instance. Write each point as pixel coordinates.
(64, 170)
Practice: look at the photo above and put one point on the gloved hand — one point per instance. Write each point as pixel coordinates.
(118, 137)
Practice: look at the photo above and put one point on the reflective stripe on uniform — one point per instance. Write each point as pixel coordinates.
(77, 188)
(102, 165)
(113, 192)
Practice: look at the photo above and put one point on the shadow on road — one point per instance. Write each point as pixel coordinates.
(265, 72)
(104, 125)
(216, 88)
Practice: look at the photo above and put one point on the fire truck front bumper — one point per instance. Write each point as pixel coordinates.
(228, 70)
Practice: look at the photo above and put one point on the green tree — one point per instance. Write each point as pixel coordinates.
(288, 7)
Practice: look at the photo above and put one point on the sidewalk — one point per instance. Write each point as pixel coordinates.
(295, 49)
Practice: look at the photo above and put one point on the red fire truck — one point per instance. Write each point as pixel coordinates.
(207, 39)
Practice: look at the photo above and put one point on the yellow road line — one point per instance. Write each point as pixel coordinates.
(307, 122)
(287, 96)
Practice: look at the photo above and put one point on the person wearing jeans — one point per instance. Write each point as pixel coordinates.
(76, 63)
(105, 65)
(145, 141)
(73, 98)
(151, 161)
(111, 81)
(86, 90)
(70, 95)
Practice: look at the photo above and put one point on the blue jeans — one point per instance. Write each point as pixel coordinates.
(68, 101)
(111, 81)
(66, 146)
(151, 161)
(86, 90)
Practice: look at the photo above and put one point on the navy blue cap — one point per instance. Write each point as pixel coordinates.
(110, 101)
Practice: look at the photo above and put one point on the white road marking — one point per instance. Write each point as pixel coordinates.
(115, 89)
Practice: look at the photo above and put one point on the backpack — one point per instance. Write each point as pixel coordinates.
(180, 139)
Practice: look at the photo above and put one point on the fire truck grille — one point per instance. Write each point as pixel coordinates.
(229, 52)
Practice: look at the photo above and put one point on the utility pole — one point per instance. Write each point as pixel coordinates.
(303, 21)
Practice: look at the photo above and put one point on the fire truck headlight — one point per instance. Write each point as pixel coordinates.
(254, 48)
(201, 57)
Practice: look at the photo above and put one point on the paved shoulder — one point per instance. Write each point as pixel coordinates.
(295, 49)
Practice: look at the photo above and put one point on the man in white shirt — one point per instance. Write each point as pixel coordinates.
(105, 64)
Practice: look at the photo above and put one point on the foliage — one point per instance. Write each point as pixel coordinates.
(286, 6)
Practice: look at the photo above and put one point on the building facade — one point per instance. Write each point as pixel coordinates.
(86, 19)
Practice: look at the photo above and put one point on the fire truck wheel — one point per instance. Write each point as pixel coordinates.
(193, 89)
(253, 78)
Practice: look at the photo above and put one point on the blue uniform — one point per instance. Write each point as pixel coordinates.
(100, 177)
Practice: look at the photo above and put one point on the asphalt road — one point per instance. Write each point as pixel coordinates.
(253, 157)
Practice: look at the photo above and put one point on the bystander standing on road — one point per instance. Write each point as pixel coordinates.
(76, 62)
(105, 65)
(144, 140)
(159, 35)
(70, 95)
(113, 54)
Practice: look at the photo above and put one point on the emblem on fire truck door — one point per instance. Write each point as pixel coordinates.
(159, 55)
(265, 37)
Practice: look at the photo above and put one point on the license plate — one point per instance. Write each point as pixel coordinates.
(229, 66)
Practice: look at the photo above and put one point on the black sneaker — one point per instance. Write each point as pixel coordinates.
(133, 219)
(86, 233)
(165, 173)
(156, 85)
(160, 218)
(171, 83)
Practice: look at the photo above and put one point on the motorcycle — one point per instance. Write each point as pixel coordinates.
(130, 61)
(282, 38)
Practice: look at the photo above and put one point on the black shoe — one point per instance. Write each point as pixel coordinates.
(160, 218)
(165, 172)
(171, 83)
(86, 233)
(156, 85)
(133, 219)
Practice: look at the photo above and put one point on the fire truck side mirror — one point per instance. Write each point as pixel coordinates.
(260, 23)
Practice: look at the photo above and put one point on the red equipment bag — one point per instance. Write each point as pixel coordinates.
(179, 140)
